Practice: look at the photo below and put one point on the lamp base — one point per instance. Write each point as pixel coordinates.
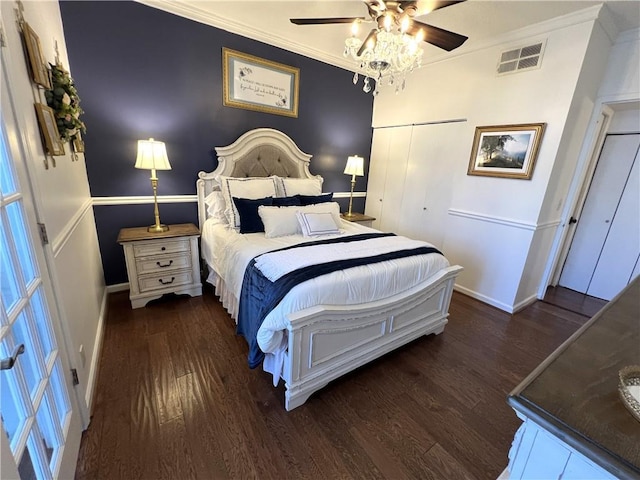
(157, 228)
(349, 215)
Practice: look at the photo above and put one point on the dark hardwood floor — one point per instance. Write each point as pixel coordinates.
(573, 301)
(176, 400)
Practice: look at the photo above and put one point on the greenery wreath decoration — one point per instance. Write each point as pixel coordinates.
(63, 99)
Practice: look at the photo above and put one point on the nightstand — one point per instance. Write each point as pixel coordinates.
(159, 263)
(358, 218)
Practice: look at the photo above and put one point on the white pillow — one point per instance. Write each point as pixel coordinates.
(299, 186)
(279, 221)
(314, 224)
(215, 207)
(282, 221)
(250, 187)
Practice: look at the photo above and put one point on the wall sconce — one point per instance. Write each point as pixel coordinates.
(355, 167)
(152, 155)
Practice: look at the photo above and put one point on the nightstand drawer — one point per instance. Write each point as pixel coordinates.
(159, 247)
(163, 263)
(170, 279)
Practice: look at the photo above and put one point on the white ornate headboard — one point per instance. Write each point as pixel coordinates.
(258, 153)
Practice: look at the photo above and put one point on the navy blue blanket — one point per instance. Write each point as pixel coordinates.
(259, 295)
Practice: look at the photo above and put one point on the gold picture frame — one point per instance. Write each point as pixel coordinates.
(508, 151)
(253, 83)
(78, 143)
(39, 70)
(49, 130)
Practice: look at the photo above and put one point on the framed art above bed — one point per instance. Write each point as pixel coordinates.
(253, 83)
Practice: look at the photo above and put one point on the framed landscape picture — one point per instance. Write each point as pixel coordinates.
(506, 150)
(253, 83)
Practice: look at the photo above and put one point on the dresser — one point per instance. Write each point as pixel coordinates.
(159, 263)
(575, 424)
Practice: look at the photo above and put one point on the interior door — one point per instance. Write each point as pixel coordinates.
(607, 232)
(41, 425)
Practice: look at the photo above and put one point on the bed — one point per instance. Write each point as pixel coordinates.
(325, 326)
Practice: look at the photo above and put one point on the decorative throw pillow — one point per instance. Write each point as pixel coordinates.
(314, 224)
(282, 221)
(313, 199)
(279, 221)
(215, 207)
(302, 186)
(250, 221)
(286, 201)
(250, 187)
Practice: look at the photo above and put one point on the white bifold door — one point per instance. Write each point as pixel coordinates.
(604, 254)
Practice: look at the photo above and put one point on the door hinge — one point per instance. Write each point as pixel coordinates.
(43, 233)
(74, 375)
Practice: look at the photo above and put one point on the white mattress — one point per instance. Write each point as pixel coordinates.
(228, 252)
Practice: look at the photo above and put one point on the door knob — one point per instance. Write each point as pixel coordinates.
(9, 362)
(573, 220)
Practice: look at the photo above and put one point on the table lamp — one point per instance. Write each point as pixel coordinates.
(152, 155)
(355, 167)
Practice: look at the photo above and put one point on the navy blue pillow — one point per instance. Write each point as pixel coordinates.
(313, 199)
(250, 221)
(286, 201)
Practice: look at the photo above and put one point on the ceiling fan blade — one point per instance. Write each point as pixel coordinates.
(437, 36)
(324, 21)
(427, 6)
(373, 34)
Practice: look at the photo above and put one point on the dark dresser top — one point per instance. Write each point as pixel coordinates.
(574, 392)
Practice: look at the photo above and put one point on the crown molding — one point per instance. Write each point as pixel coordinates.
(541, 29)
(200, 15)
(270, 38)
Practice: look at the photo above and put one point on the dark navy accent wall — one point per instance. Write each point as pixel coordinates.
(142, 73)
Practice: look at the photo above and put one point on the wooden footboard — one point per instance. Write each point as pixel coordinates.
(326, 341)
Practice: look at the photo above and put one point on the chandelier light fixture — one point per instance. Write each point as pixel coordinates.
(388, 54)
(392, 49)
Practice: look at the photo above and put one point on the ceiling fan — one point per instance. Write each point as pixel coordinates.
(389, 13)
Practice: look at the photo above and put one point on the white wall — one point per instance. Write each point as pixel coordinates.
(618, 92)
(494, 226)
(62, 198)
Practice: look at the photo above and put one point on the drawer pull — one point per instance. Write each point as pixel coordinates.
(166, 283)
(163, 248)
(165, 265)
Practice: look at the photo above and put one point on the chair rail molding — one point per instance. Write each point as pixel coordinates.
(509, 222)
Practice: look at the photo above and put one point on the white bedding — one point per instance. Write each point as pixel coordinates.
(228, 252)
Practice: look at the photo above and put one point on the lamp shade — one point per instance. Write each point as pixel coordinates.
(152, 155)
(355, 166)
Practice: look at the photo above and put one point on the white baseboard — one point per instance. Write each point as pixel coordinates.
(524, 303)
(97, 350)
(118, 287)
(484, 298)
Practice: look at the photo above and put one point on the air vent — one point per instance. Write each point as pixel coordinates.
(520, 59)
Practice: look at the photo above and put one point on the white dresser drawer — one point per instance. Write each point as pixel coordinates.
(169, 280)
(163, 263)
(159, 247)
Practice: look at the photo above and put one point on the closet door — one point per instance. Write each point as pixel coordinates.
(387, 176)
(427, 191)
(602, 207)
(620, 252)
(377, 174)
